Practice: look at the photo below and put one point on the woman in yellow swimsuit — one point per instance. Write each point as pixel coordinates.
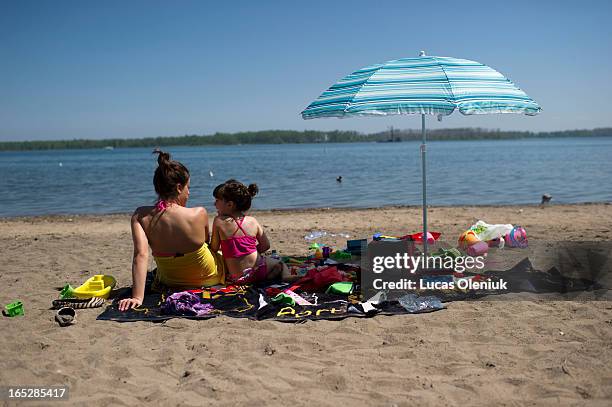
(176, 234)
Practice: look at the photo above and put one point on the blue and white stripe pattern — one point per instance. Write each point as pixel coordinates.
(423, 85)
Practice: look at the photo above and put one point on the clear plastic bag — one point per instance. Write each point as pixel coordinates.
(412, 303)
(486, 232)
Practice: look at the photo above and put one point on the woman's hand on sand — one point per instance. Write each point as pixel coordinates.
(127, 303)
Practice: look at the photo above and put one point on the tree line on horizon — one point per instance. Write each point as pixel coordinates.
(294, 137)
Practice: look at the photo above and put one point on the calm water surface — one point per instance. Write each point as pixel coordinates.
(304, 175)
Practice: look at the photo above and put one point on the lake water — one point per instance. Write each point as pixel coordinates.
(304, 175)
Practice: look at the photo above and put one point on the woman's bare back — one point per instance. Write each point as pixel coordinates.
(174, 230)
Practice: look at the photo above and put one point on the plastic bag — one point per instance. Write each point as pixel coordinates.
(412, 303)
(486, 232)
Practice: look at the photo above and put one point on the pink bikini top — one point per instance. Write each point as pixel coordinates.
(238, 246)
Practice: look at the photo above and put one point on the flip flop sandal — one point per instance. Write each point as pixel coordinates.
(65, 316)
(78, 303)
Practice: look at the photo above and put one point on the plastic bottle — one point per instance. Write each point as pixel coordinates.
(315, 234)
(326, 252)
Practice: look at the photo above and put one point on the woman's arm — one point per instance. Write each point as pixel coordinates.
(215, 240)
(140, 263)
(263, 244)
(206, 228)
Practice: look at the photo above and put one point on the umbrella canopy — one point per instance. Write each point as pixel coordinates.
(422, 85)
(426, 85)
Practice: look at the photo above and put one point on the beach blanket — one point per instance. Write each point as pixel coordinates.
(253, 303)
(265, 303)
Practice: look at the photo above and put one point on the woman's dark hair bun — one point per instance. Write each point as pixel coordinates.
(253, 190)
(163, 157)
(168, 175)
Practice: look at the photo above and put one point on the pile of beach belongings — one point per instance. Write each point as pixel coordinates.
(326, 292)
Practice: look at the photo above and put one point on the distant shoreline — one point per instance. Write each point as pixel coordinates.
(295, 137)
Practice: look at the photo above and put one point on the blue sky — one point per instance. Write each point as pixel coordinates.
(85, 69)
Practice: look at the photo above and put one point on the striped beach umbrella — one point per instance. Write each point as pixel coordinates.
(425, 85)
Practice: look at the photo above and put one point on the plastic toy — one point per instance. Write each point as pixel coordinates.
(492, 235)
(14, 309)
(326, 252)
(283, 298)
(67, 292)
(478, 248)
(340, 255)
(96, 286)
(517, 237)
(317, 248)
(431, 237)
(468, 238)
(343, 288)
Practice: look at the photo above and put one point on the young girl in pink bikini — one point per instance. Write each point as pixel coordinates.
(240, 237)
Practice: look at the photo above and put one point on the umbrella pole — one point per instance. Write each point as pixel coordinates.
(423, 154)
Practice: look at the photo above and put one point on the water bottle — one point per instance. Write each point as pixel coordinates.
(315, 235)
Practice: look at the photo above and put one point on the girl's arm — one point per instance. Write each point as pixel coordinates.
(140, 263)
(215, 240)
(263, 244)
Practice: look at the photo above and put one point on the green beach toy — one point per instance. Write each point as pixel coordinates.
(14, 309)
(67, 292)
(345, 288)
(340, 255)
(283, 298)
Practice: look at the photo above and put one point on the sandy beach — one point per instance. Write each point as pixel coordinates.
(472, 353)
